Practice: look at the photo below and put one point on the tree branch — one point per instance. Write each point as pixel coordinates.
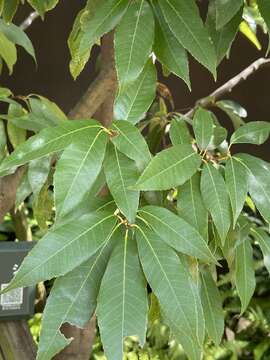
(229, 85)
(29, 20)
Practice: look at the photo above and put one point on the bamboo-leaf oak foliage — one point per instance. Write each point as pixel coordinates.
(166, 210)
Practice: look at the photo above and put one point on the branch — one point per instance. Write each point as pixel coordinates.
(229, 85)
(29, 20)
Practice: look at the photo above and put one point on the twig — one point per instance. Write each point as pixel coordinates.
(229, 85)
(29, 20)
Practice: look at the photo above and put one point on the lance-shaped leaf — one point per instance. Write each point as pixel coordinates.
(8, 52)
(225, 11)
(264, 7)
(170, 281)
(133, 41)
(130, 142)
(223, 37)
(42, 6)
(63, 248)
(169, 168)
(122, 302)
(95, 20)
(8, 9)
(263, 239)
(186, 24)
(16, 35)
(216, 199)
(176, 232)
(77, 170)
(258, 182)
(48, 141)
(237, 184)
(38, 171)
(72, 300)
(255, 132)
(179, 133)
(167, 47)
(133, 102)
(121, 173)
(212, 307)
(191, 207)
(244, 272)
(203, 126)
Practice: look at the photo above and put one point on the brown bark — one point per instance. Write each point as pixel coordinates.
(16, 342)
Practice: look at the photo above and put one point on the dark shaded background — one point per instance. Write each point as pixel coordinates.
(53, 80)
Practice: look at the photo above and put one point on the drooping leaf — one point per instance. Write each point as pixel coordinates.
(203, 128)
(9, 9)
(43, 206)
(132, 103)
(258, 182)
(186, 24)
(244, 272)
(176, 232)
(72, 300)
(234, 111)
(130, 142)
(212, 307)
(77, 170)
(121, 173)
(41, 6)
(179, 133)
(64, 248)
(178, 296)
(3, 140)
(263, 239)
(191, 207)
(16, 35)
(8, 51)
(216, 199)
(264, 8)
(247, 30)
(122, 302)
(23, 190)
(48, 141)
(167, 47)
(223, 37)
(237, 184)
(96, 19)
(169, 168)
(225, 11)
(255, 132)
(133, 41)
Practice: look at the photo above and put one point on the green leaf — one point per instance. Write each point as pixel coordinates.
(258, 182)
(178, 296)
(244, 272)
(134, 37)
(9, 9)
(186, 24)
(133, 102)
(64, 248)
(212, 307)
(130, 142)
(77, 170)
(3, 140)
(18, 37)
(43, 207)
(176, 232)
(216, 199)
(169, 168)
(122, 302)
(38, 171)
(191, 207)
(237, 184)
(121, 173)
(223, 37)
(203, 128)
(255, 132)
(8, 51)
(95, 20)
(225, 11)
(263, 239)
(72, 300)
(264, 8)
(48, 141)
(234, 111)
(41, 6)
(168, 49)
(23, 190)
(179, 133)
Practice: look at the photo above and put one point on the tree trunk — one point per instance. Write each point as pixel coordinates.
(16, 342)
